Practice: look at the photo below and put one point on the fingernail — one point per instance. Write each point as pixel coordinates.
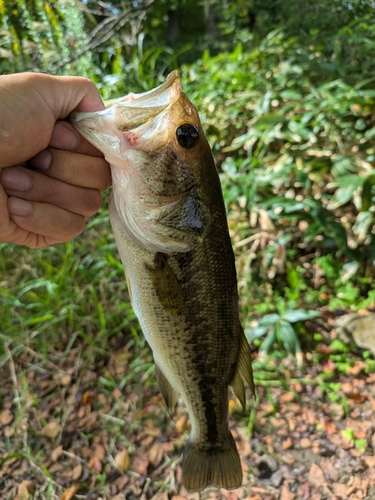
(16, 206)
(42, 160)
(63, 137)
(16, 179)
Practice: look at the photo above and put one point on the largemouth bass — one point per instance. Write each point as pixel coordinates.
(169, 221)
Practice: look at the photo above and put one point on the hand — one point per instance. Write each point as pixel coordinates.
(50, 176)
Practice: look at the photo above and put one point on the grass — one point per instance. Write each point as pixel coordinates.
(57, 295)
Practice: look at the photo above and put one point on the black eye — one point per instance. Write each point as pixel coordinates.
(187, 136)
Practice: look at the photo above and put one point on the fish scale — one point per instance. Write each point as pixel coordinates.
(168, 217)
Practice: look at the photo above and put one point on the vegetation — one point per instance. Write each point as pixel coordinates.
(287, 103)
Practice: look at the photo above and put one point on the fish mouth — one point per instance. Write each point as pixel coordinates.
(126, 113)
(134, 110)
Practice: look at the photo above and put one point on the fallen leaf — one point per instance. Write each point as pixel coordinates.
(51, 430)
(286, 494)
(182, 424)
(77, 472)
(99, 452)
(56, 454)
(6, 417)
(305, 443)
(88, 397)
(140, 465)
(156, 454)
(95, 465)
(65, 380)
(69, 493)
(287, 444)
(287, 397)
(316, 477)
(25, 489)
(120, 496)
(356, 397)
(122, 460)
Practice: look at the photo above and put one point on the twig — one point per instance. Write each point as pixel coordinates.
(175, 461)
(275, 383)
(17, 396)
(145, 489)
(251, 238)
(102, 33)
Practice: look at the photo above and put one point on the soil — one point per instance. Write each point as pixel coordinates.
(67, 433)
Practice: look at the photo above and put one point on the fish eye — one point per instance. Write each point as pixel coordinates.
(187, 136)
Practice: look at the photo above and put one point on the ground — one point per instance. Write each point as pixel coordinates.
(73, 431)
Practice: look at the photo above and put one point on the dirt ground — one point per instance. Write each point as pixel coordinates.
(68, 431)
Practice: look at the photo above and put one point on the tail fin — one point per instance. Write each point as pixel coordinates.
(220, 467)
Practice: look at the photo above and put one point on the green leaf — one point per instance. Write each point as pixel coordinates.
(268, 341)
(362, 224)
(255, 333)
(349, 270)
(300, 315)
(348, 434)
(348, 186)
(288, 337)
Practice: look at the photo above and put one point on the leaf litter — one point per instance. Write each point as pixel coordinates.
(70, 431)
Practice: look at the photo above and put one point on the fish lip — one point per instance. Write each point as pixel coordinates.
(168, 92)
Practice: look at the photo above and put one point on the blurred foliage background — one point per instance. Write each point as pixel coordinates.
(286, 94)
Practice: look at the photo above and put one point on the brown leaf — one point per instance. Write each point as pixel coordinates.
(65, 380)
(119, 361)
(88, 397)
(287, 397)
(95, 465)
(51, 430)
(25, 489)
(182, 424)
(56, 454)
(69, 493)
(287, 444)
(6, 417)
(122, 460)
(305, 443)
(286, 494)
(339, 489)
(140, 465)
(155, 454)
(356, 397)
(316, 477)
(120, 496)
(77, 472)
(99, 452)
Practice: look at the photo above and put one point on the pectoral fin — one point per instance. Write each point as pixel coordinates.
(170, 395)
(191, 215)
(166, 285)
(243, 372)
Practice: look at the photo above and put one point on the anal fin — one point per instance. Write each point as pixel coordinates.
(170, 395)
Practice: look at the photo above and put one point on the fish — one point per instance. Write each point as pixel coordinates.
(169, 221)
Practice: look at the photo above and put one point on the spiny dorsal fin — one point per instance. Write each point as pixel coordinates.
(243, 371)
(170, 395)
